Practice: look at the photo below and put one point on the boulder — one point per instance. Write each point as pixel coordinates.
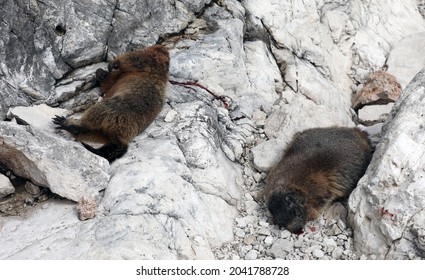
(65, 167)
(386, 208)
(38, 116)
(380, 88)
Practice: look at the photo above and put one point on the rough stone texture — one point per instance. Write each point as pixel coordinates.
(6, 186)
(181, 213)
(51, 39)
(86, 208)
(47, 160)
(372, 114)
(407, 58)
(387, 207)
(421, 7)
(380, 88)
(244, 75)
(31, 188)
(263, 159)
(39, 116)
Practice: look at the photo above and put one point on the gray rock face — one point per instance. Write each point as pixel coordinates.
(386, 209)
(43, 43)
(245, 77)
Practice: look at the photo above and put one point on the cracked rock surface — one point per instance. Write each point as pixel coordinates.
(387, 208)
(245, 76)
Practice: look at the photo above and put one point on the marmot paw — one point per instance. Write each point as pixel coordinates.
(59, 120)
(113, 65)
(101, 74)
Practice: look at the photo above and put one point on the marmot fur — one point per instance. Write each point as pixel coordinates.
(134, 92)
(319, 166)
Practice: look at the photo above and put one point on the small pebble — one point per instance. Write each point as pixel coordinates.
(250, 206)
(317, 253)
(241, 222)
(32, 189)
(257, 177)
(263, 223)
(170, 116)
(248, 197)
(249, 239)
(29, 201)
(298, 244)
(285, 234)
(341, 225)
(329, 242)
(261, 238)
(337, 253)
(268, 240)
(342, 237)
(240, 232)
(251, 255)
(336, 229)
(264, 231)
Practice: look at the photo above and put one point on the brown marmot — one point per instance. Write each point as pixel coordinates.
(134, 92)
(319, 166)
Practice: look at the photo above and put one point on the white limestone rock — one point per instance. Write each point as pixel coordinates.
(281, 248)
(372, 114)
(65, 167)
(251, 255)
(216, 61)
(384, 224)
(407, 58)
(6, 186)
(380, 26)
(162, 185)
(267, 154)
(264, 79)
(39, 116)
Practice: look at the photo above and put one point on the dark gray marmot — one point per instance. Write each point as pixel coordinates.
(134, 92)
(319, 166)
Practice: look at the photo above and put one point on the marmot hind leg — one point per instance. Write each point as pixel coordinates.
(110, 151)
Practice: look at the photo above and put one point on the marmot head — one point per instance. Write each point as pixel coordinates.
(154, 60)
(288, 210)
